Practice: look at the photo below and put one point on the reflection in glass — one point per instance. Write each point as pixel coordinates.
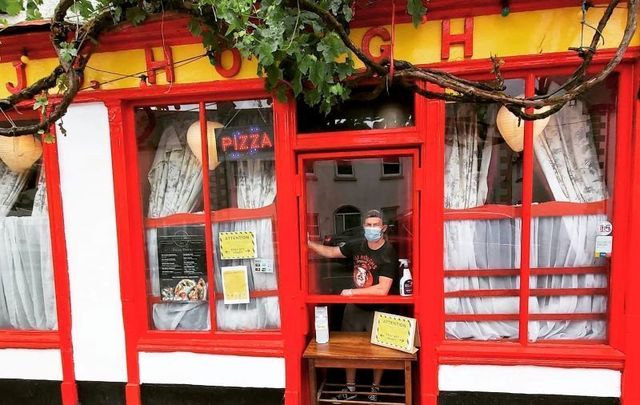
(339, 207)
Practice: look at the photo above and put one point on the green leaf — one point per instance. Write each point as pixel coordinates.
(194, 27)
(67, 52)
(11, 7)
(136, 15)
(41, 102)
(417, 10)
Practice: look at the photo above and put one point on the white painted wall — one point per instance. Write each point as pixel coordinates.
(92, 250)
(31, 364)
(211, 370)
(531, 380)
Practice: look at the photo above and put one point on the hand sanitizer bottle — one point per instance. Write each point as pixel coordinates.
(406, 282)
(322, 324)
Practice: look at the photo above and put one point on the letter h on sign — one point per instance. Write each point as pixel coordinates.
(153, 65)
(465, 38)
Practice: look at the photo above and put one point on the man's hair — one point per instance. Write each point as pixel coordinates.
(374, 214)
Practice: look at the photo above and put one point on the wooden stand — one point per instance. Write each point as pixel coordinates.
(354, 350)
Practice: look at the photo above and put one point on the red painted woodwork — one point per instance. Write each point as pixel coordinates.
(538, 271)
(515, 317)
(546, 209)
(533, 292)
(165, 64)
(384, 53)
(465, 38)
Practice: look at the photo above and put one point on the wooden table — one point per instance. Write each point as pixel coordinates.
(354, 350)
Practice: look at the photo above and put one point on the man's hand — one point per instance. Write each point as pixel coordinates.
(347, 292)
(382, 288)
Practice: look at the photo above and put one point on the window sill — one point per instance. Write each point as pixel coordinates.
(32, 339)
(345, 178)
(579, 355)
(369, 299)
(261, 344)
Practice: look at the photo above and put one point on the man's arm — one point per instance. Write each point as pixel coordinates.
(331, 252)
(382, 288)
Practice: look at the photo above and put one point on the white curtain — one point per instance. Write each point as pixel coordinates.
(568, 158)
(485, 244)
(27, 298)
(176, 187)
(569, 162)
(256, 188)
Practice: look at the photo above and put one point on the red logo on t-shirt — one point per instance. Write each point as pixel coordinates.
(363, 267)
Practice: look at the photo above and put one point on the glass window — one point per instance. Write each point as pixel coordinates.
(391, 167)
(219, 248)
(344, 169)
(572, 184)
(27, 292)
(392, 109)
(341, 208)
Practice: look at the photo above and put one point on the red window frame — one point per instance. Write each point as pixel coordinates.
(562, 353)
(311, 298)
(59, 339)
(131, 226)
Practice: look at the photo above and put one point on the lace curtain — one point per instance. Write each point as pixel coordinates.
(256, 189)
(176, 187)
(27, 297)
(569, 162)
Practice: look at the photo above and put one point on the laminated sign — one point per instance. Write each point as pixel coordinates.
(237, 245)
(395, 332)
(235, 285)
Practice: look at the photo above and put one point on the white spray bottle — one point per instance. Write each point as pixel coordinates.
(406, 282)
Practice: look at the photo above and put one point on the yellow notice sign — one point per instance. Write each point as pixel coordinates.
(395, 332)
(235, 285)
(237, 245)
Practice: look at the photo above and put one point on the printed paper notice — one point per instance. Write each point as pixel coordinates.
(237, 245)
(235, 285)
(395, 331)
(604, 245)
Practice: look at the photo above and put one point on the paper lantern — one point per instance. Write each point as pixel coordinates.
(194, 140)
(21, 152)
(512, 128)
(393, 115)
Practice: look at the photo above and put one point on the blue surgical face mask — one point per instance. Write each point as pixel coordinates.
(372, 233)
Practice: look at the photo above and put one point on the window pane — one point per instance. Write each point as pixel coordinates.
(27, 292)
(171, 184)
(483, 184)
(574, 179)
(242, 181)
(394, 109)
(341, 208)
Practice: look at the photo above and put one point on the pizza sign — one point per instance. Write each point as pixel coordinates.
(240, 143)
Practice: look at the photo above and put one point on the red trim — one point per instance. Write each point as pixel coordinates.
(223, 346)
(17, 339)
(538, 271)
(532, 317)
(574, 355)
(546, 209)
(60, 271)
(361, 299)
(534, 292)
(631, 260)
(367, 16)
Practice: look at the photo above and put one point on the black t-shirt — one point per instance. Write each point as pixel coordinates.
(369, 264)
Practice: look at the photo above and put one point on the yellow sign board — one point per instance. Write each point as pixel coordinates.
(395, 332)
(237, 245)
(235, 285)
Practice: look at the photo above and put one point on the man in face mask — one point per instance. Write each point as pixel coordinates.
(375, 266)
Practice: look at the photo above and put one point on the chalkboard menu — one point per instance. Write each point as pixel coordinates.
(182, 263)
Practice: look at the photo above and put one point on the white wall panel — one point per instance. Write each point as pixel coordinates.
(211, 370)
(531, 380)
(92, 250)
(31, 364)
